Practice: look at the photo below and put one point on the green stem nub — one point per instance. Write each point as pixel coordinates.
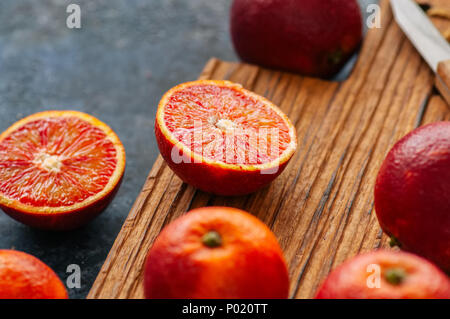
(395, 276)
(394, 242)
(212, 239)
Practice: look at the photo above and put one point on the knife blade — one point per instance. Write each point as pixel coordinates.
(427, 40)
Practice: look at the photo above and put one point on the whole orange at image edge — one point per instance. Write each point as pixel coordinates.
(385, 274)
(412, 197)
(23, 276)
(221, 138)
(59, 169)
(216, 252)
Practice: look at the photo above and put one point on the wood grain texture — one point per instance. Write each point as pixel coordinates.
(443, 80)
(321, 206)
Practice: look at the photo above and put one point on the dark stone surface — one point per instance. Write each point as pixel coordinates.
(116, 67)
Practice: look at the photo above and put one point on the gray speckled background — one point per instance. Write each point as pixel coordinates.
(116, 67)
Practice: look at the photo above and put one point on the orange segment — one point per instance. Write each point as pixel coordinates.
(58, 161)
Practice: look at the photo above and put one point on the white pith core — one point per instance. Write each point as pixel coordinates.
(222, 124)
(50, 163)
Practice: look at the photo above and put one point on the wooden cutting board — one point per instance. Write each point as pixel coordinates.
(321, 207)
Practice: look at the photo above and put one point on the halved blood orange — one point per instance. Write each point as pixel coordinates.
(59, 169)
(221, 138)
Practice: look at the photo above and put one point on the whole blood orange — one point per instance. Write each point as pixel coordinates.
(221, 138)
(59, 169)
(216, 252)
(412, 193)
(385, 275)
(23, 276)
(311, 37)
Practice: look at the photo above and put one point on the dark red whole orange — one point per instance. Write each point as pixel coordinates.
(412, 193)
(311, 37)
(216, 252)
(385, 275)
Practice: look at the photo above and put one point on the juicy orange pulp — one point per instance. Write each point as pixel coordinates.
(203, 118)
(55, 162)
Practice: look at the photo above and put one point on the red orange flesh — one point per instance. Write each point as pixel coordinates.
(55, 163)
(216, 107)
(412, 197)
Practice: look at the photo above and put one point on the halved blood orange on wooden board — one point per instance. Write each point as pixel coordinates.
(59, 169)
(219, 253)
(222, 138)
